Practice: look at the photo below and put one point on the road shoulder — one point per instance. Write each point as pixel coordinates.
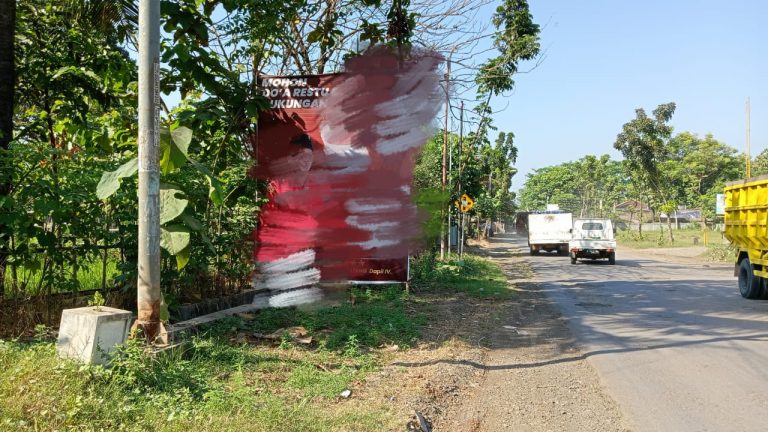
(535, 378)
(495, 365)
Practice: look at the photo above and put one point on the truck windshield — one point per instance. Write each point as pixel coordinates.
(591, 226)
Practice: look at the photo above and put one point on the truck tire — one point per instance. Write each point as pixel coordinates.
(573, 259)
(749, 284)
(612, 258)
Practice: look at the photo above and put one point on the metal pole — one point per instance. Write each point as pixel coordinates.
(450, 187)
(148, 295)
(445, 126)
(445, 152)
(463, 234)
(461, 153)
(749, 156)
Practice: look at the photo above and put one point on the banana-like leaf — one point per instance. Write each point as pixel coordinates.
(191, 222)
(170, 205)
(174, 146)
(110, 180)
(182, 258)
(174, 238)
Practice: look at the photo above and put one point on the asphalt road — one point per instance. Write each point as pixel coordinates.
(672, 340)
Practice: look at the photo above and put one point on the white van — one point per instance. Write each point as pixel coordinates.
(592, 239)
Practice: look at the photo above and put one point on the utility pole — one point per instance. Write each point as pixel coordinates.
(450, 184)
(460, 246)
(148, 295)
(749, 144)
(445, 153)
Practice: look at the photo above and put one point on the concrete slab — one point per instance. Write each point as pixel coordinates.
(90, 334)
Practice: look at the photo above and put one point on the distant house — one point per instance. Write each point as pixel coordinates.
(629, 211)
(683, 216)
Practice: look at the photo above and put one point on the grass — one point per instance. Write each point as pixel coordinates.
(228, 379)
(211, 386)
(472, 275)
(88, 276)
(216, 383)
(683, 238)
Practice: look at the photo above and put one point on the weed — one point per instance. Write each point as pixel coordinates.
(97, 301)
(720, 253)
(352, 347)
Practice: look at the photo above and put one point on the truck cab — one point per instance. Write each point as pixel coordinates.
(592, 239)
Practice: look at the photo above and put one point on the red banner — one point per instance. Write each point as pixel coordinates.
(339, 153)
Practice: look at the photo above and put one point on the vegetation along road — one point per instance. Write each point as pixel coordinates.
(670, 338)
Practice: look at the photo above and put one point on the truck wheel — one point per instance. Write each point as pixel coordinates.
(573, 259)
(749, 284)
(612, 258)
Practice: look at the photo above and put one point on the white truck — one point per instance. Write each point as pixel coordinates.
(593, 239)
(549, 231)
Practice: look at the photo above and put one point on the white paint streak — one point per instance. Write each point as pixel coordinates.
(287, 166)
(371, 205)
(296, 297)
(369, 226)
(376, 243)
(292, 280)
(409, 114)
(403, 113)
(351, 160)
(411, 139)
(293, 262)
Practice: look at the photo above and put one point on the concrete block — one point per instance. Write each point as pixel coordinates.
(89, 335)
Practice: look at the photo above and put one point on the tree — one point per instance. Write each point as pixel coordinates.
(699, 169)
(496, 201)
(73, 111)
(760, 164)
(110, 17)
(8, 72)
(517, 39)
(551, 185)
(600, 184)
(643, 143)
(590, 186)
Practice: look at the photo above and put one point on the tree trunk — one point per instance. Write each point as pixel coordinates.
(669, 226)
(7, 84)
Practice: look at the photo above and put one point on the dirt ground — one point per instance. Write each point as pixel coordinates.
(491, 365)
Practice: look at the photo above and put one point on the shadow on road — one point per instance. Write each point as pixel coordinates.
(760, 337)
(636, 305)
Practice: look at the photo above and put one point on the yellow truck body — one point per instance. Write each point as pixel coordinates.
(746, 226)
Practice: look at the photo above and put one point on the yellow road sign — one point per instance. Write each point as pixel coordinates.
(465, 203)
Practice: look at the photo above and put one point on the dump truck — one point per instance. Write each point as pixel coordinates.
(549, 231)
(746, 226)
(593, 239)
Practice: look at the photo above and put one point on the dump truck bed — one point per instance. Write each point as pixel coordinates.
(746, 213)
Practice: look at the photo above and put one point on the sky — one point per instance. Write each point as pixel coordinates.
(603, 59)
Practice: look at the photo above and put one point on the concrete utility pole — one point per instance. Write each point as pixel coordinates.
(460, 246)
(148, 296)
(445, 153)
